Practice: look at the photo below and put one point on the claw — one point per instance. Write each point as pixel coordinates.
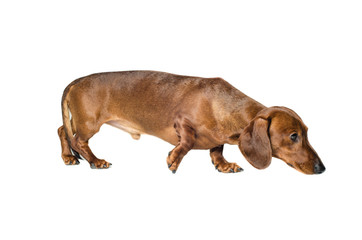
(169, 165)
(231, 170)
(173, 171)
(240, 169)
(216, 167)
(100, 165)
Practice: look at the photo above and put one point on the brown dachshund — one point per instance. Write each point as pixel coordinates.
(188, 112)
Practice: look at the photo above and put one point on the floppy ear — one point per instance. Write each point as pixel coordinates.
(255, 143)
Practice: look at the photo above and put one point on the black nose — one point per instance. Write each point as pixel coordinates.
(319, 168)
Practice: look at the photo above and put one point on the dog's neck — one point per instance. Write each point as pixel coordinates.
(238, 118)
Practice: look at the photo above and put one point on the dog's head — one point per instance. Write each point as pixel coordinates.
(279, 132)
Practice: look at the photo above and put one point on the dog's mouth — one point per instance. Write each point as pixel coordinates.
(290, 165)
(299, 168)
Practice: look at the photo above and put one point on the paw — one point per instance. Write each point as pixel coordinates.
(172, 165)
(100, 164)
(70, 160)
(227, 167)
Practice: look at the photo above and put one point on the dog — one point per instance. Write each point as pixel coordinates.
(189, 113)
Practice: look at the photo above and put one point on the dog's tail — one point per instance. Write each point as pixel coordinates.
(66, 115)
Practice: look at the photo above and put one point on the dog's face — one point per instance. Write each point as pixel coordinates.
(281, 133)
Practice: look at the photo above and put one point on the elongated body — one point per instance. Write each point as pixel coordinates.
(188, 112)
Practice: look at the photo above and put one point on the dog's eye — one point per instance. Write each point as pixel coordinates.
(294, 137)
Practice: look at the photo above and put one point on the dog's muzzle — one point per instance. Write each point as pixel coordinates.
(319, 168)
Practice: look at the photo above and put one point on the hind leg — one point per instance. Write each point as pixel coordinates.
(67, 155)
(80, 144)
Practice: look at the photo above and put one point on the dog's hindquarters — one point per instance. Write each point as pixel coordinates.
(80, 123)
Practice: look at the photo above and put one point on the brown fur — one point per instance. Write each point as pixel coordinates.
(188, 112)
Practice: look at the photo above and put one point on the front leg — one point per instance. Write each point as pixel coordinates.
(220, 163)
(187, 138)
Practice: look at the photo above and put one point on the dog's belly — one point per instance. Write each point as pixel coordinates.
(126, 126)
(168, 134)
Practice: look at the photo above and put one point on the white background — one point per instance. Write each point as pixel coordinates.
(305, 55)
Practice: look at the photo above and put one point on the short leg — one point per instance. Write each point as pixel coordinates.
(67, 155)
(81, 145)
(187, 139)
(220, 163)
